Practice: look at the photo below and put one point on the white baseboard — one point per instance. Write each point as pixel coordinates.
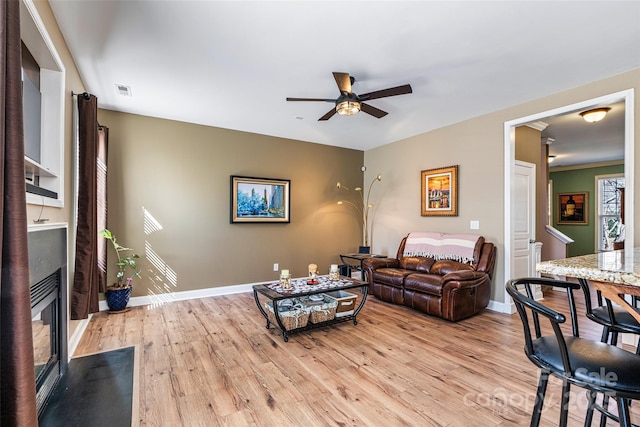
(501, 307)
(74, 339)
(161, 299)
(155, 300)
(630, 339)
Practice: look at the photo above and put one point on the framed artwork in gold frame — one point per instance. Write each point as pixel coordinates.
(259, 199)
(439, 191)
(573, 208)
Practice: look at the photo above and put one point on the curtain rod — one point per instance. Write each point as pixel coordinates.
(84, 94)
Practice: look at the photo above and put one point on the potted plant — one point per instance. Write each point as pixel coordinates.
(118, 294)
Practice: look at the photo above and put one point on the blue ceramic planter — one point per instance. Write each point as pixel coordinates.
(117, 299)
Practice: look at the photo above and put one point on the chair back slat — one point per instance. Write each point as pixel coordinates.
(574, 312)
(521, 291)
(606, 314)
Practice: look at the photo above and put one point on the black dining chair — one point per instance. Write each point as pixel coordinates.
(593, 365)
(614, 320)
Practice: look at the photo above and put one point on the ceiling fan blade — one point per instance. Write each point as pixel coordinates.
(393, 91)
(311, 99)
(375, 112)
(327, 116)
(343, 81)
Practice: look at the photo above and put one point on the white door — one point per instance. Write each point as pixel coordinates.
(523, 219)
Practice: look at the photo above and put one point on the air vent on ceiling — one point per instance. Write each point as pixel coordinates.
(123, 90)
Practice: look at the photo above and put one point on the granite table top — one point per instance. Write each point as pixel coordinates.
(620, 267)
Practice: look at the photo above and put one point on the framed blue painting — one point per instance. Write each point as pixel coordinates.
(259, 199)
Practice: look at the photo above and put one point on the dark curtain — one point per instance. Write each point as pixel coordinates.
(89, 279)
(17, 375)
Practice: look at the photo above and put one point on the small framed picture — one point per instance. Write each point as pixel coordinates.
(573, 208)
(440, 191)
(259, 199)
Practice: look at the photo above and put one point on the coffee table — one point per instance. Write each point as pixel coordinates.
(299, 288)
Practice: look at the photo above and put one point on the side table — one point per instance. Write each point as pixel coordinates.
(359, 258)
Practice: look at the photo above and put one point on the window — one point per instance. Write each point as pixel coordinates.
(43, 80)
(610, 226)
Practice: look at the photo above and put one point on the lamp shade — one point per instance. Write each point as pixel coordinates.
(595, 115)
(348, 108)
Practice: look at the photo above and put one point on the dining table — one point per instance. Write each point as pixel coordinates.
(613, 273)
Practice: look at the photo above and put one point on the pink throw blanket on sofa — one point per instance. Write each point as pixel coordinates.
(457, 247)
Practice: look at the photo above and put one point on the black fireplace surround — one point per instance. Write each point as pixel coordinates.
(48, 289)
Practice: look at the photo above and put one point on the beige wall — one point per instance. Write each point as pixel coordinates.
(528, 145)
(477, 146)
(179, 174)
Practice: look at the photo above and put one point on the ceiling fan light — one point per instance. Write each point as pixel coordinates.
(348, 108)
(595, 115)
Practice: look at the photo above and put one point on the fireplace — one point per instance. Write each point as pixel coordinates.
(48, 285)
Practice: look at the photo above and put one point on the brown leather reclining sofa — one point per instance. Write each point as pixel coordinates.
(445, 288)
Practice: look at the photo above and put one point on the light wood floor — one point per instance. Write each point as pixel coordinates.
(211, 362)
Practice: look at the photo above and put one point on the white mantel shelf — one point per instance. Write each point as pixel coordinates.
(46, 226)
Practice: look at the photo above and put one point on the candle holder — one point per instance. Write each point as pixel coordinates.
(313, 271)
(285, 279)
(334, 274)
(313, 274)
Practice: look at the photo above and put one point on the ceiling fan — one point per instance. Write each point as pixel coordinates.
(349, 103)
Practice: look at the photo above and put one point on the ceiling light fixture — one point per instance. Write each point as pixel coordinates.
(595, 115)
(348, 108)
(550, 158)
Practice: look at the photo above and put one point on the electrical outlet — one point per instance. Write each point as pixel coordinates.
(474, 225)
(276, 267)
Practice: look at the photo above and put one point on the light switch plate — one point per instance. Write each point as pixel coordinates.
(474, 225)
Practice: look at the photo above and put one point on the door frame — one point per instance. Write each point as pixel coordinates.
(509, 161)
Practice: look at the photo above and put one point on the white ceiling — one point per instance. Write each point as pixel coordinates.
(231, 64)
(577, 142)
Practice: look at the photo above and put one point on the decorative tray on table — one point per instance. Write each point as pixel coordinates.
(300, 285)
